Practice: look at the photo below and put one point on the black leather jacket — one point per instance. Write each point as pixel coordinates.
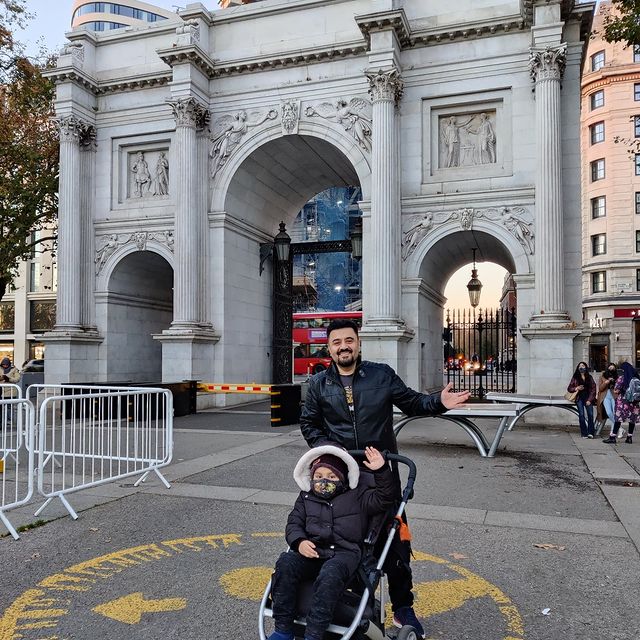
(376, 388)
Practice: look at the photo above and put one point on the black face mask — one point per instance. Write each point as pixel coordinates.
(582, 370)
(327, 488)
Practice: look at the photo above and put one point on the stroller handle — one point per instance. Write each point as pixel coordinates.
(407, 493)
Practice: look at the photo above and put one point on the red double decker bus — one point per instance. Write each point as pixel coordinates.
(310, 352)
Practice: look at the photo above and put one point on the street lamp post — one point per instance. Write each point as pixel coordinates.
(283, 250)
(480, 327)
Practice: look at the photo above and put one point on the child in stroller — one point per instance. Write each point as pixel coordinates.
(326, 529)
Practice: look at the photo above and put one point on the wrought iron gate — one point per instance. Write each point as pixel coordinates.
(480, 350)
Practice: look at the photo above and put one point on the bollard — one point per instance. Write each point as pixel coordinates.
(285, 404)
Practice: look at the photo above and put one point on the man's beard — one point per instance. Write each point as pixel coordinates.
(346, 358)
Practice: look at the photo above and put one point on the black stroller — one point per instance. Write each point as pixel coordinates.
(360, 613)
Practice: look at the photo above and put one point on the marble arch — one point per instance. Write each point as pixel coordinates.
(427, 105)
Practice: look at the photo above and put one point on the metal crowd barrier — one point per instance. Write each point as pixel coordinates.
(88, 436)
(16, 455)
(83, 436)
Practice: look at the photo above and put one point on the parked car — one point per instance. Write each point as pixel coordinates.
(33, 366)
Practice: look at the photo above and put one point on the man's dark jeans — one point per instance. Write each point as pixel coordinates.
(329, 577)
(582, 409)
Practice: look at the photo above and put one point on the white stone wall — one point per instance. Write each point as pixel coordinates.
(455, 59)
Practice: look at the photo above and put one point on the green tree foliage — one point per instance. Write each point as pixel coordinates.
(28, 147)
(622, 22)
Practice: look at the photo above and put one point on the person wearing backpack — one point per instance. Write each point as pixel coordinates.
(627, 393)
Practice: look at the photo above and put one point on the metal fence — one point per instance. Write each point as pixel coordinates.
(16, 454)
(480, 350)
(83, 436)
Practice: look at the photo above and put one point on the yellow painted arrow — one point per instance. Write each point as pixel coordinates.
(129, 609)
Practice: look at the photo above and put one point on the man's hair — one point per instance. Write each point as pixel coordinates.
(341, 323)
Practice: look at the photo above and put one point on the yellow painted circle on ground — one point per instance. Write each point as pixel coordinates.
(46, 603)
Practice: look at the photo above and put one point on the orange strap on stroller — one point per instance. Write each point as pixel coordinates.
(403, 530)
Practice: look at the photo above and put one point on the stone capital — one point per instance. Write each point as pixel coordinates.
(385, 86)
(188, 112)
(548, 63)
(72, 129)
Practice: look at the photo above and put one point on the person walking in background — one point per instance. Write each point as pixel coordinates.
(605, 403)
(583, 382)
(627, 394)
(8, 373)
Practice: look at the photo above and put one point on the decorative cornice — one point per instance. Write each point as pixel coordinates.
(384, 20)
(293, 59)
(72, 74)
(191, 53)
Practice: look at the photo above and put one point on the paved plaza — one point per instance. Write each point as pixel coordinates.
(539, 543)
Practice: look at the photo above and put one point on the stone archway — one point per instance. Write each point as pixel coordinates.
(269, 181)
(427, 270)
(138, 304)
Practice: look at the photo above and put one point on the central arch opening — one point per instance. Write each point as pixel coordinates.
(271, 184)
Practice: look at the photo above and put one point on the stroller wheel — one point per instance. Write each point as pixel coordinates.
(407, 633)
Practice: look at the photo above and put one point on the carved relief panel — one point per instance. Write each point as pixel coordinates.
(148, 173)
(467, 137)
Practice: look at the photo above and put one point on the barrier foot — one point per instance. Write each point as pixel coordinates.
(143, 477)
(162, 479)
(68, 507)
(43, 507)
(9, 526)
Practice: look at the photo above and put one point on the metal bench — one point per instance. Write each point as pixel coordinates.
(528, 402)
(464, 417)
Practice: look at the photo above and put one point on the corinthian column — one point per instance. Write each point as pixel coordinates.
(547, 67)
(190, 116)
(69, 300)
(88, 149)
(385, 88)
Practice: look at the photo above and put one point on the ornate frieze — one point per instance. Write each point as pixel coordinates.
(515, 219)
(290, 116)
(107, 245)
(189, 28)
(188, 112)
(548, 63)
(229, 130)
(349, 115)
(385, 85)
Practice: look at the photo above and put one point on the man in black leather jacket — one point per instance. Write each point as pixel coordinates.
(351, 404)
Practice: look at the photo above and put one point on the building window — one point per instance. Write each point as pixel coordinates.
(42, 316)
(599, 207)
(597, 99)
(597, 61)
(637, 279)
(637, 241)
(599, 244)
(637, 201)
(636, 53)
(599, 282)
(597, 169)
(636, 91)
(7, 317)
(637, 160)
(596, 132)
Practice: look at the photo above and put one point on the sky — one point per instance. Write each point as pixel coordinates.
(53, 18)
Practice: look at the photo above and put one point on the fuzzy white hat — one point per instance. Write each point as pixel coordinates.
(302, 471)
